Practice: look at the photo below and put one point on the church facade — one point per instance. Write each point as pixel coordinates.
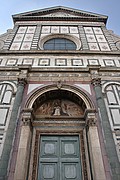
(59, 97)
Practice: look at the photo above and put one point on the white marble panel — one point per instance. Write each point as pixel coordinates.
(93, 62)
(28, 37)
(101, 38)
(11, 62)
(77, 62)
(116, 116)
(15, 46)
(86, 87)
(31, 29)
(61, 62)
(7, 97)
(26, 46)
(90, 38)
(109, 62)
(28, 61)
(73, 30)
(45, 29)
(3, 115)
(111, 97)
(93, 46)
(54, 29)
(88, 30)
(64, 29)
(18, 37)
(44, 62)
(104, 46)
(31, 87)
(97, 30)
(22, 29)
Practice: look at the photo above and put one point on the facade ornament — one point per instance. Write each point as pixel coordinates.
(91, 119)
(59, 84)
(27, 117)
(22, 81)
(96, 82)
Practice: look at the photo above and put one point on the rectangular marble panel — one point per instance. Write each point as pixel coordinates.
(28, 61)
(60, 62)
(45, 29)
(93, 46)
(88, 30)
(3, 116)
(90, 38)
(97, 30)
(101, 38)
(116, 116)
(11, 62)
(28, 37)
(93, 61)
(26, 46)
(15, 46)
(109, 62)
(22, 29)
(77, 62)
(73, 30)
(64, 29)
(18, 37)
(31, 29)
(54, 29)
(44, 62)
(104, 46)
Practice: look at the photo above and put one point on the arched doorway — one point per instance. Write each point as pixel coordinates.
(58, 117)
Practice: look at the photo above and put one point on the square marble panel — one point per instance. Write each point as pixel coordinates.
(93, 61)
(93, 46)
(28, 37)
(31, 29)
(77, 62)
(18, 37)
(60, 62)
(54, 29)
(44, 62)
(64, 29)
(45, 29)
(28, 61)
(22, 29)
(26, 46)
(11, 62)
(73, 30)
(104, 46)
(97, 30)
(109, 62)
(90, 38)
(15, 46)
(101, 38)
(88, 30)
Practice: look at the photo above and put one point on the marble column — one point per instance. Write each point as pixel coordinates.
(23, 156)
(96, 160)
(5, 158)
(108, 137)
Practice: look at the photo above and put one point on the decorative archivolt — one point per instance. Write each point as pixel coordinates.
(52, 36)
(78, 92)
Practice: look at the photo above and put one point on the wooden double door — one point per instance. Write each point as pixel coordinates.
(59, 158)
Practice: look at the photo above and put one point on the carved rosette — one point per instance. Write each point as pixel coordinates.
(91, 119)
(96, 82)
(27, 117)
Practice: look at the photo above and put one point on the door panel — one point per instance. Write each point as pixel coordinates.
(59, 158)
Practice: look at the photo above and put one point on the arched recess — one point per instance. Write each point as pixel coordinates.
(65, 36)
(59, 127)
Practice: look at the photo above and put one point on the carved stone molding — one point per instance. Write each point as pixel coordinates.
(27, 117)
(96, 82)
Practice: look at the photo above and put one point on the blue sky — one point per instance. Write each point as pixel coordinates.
(111, 8)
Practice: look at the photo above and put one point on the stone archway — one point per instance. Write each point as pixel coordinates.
(47, 112)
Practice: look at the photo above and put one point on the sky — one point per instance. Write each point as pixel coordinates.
(111, 8)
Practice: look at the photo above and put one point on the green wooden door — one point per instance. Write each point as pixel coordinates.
(59, 158)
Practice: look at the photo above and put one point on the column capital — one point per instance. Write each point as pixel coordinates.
(91, 119)
(22, 81)
(96, 82)
(27, 117)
